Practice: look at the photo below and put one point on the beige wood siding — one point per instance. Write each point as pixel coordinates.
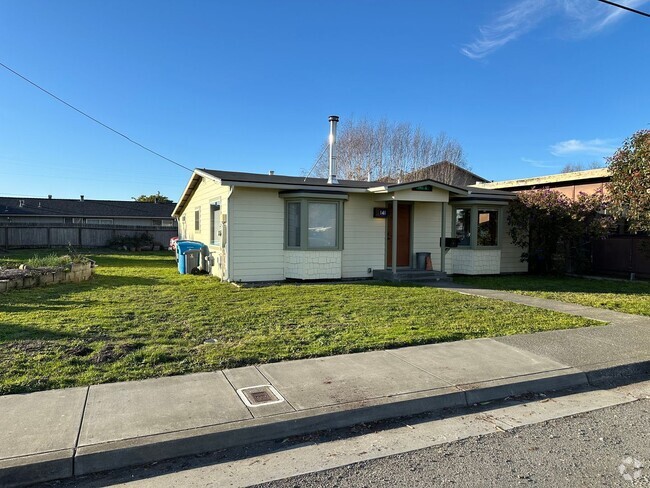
(426, 231)
(510, 254)
(205, 193)
(364, 237)
(257, 235)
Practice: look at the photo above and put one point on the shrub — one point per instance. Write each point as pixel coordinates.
(556, 230)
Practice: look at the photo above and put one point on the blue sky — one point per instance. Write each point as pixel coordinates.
(525, 86)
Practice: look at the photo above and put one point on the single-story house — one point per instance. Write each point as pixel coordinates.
(263, 227)
(57, 222)
(84, 211)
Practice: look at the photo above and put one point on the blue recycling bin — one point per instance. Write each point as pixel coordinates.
(185, 249)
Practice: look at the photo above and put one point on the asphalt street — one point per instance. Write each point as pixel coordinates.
(598, 448)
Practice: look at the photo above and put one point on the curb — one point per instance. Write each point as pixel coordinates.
(91, 459)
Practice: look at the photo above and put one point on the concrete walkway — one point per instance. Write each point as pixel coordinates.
(61, 433)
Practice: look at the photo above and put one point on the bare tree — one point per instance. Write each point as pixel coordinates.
(383, 150)
(572, 167)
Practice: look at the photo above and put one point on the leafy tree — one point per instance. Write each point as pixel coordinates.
(387, 151)
(157, 198)
(630, 185)
(556, 230)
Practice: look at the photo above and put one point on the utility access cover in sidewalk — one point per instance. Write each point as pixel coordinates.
(256, 396)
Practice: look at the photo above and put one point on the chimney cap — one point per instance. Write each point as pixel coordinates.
(81, 197)
(271, 172)
(334, 118)
(49, 197)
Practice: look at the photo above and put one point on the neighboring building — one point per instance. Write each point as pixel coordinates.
(446, 172)
(569, 184)
(82, 211)
(271, 227)
(55, 222)
(621, 254)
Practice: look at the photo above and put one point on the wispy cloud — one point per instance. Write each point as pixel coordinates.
(541, 164)
(523, 16)
(506, 27)
(594, 147)
(593, 18)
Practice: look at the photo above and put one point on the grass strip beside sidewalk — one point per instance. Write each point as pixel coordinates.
(618, 295)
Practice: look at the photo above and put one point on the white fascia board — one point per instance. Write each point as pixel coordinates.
(185, 196)
(278, 186)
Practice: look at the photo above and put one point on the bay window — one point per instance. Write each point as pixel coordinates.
(488, 228)
(476, 226)
(313, 224)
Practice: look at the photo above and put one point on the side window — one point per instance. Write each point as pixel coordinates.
(215, 223)
(197, 219)
(293, 224)
(488, 228)
(463, 226)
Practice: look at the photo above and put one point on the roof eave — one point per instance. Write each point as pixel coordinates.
(412, 184)
(289, 186)
(197, 174)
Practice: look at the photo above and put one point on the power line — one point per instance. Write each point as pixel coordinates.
(625, 7)
(121, 134)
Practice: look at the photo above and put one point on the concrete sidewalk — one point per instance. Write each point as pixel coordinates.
(61, 433)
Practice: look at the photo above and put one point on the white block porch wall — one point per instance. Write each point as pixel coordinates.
(474, 261)
(312, 265)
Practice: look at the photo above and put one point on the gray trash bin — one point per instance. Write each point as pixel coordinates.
(421, 259)
(192, 260)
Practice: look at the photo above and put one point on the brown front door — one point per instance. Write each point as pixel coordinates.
(403, 236)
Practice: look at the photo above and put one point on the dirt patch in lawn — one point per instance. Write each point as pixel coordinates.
(112, 352)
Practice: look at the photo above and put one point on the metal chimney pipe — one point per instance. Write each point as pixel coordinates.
(331, 180)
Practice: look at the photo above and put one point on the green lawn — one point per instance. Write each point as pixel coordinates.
(138, 318)
(622, 296)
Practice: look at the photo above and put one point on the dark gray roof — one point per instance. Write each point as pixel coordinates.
(234, 176)
(446, 172)
(11, 206)
(286, 180)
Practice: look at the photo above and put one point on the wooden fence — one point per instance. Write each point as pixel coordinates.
(622, 255)
(21, 236)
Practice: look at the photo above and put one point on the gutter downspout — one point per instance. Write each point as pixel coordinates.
(393, 249)
(443, 233)
(228, 274)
